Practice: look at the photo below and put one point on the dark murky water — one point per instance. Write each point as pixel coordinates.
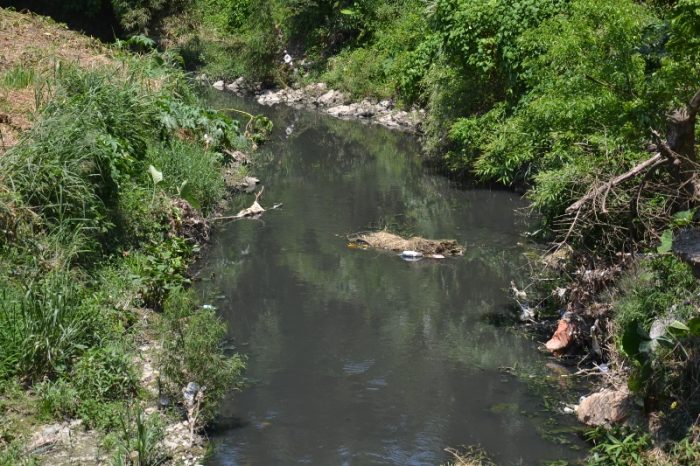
(357, 357)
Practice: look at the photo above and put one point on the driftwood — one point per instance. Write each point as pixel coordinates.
(254, 211)
(391, 242)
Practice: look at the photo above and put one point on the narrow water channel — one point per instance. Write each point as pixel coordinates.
(358, 357)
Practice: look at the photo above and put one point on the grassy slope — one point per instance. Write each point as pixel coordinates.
(32, 45)
(90, 246)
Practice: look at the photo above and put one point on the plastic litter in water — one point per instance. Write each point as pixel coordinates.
(411, 255)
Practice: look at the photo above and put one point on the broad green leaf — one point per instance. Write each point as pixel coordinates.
(676, 325)
(156, 176)
(684, 218)
(187, 194)
(631, 340)
(666, 242)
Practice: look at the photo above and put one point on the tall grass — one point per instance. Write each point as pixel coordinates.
(19, 77)
(186, 167)
(43, 326)
(90, 139)
(84, 239)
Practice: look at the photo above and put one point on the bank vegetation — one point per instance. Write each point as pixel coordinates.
(109, 166)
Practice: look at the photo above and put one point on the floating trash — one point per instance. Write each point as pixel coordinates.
(411, 255)
(435, 249)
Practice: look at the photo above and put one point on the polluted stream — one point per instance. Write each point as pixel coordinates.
(356, 356)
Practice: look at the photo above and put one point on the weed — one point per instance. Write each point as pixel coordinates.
(186, 166)
(58, 400)
(105, 373)
(44, 326)
(19, 77)
(617, 447)
(160, 268)
(192, 351)
(14, 455)
(139, 439)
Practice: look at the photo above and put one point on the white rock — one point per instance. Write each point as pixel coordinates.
(340, 110)
(330, 98)
(218, 85)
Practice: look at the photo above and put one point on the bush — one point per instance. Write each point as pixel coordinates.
(192, 352)
(105, 373)
(191, 172)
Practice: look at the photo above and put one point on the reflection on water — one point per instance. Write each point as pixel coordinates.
(358, 357)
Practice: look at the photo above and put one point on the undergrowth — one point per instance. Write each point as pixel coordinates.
(89, 240)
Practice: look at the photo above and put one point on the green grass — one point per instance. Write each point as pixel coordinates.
(19, 77)
(44, 325)
(89, 241)
(186, 168)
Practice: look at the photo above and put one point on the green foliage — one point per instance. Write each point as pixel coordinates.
(86, 238)
(18, 77)
(138, 15)
(483, 35)
(105, 373)
(90, 140)
(160, 268)
(657, 328)
(185, 165)
(137, 43)
(14, 455)
(192, 351)
(387, 65)
(617, 447)
(58, 400)
(214, 129)
(659, 283)
(142, 435)
(44, 325)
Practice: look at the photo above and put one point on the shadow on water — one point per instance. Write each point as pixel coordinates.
(357, 357)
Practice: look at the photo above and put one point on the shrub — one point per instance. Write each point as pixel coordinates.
(105, 373)
(192, 352)
(189, 168)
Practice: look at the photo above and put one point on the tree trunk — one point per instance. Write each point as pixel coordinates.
(680, 148)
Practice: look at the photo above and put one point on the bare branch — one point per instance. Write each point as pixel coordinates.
(657, 159)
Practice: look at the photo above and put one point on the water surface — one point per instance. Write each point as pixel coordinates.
(358, 357)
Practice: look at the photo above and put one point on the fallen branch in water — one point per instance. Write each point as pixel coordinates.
(254, 211)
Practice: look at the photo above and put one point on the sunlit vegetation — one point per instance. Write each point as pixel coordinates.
(92, 241)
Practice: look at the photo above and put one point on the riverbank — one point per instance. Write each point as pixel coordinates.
(110, 167)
